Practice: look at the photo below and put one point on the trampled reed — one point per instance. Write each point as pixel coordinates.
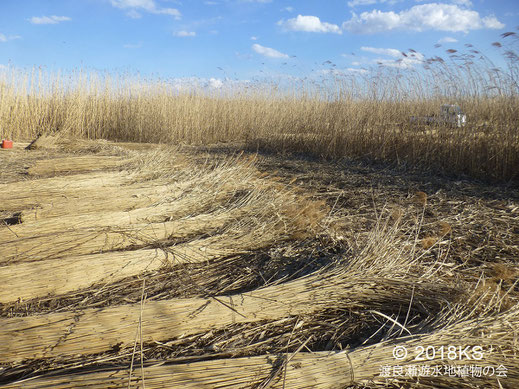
(360, 115)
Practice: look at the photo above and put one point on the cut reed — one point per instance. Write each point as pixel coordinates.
(492, 335)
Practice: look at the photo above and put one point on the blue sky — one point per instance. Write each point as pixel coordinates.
(244, 39)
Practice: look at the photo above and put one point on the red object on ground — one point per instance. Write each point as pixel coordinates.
(7, 144)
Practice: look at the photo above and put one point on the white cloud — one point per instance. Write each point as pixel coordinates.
(147, 5)
(215, 83)
(268, 52)
(253, 38)
(433, 16)
(389, 52)
(403, 61)
(355, 3)
(309, 24)
(465, 3)
(5, 38)
(357, 70)
(210, 3)
(133, 14)
(209, 85)
(448, 39)
(342, 72)
(406, 61)
(184, 33)
(288, 9)
(144, 5)
(168, 11)
(492, 22)
(49, 19)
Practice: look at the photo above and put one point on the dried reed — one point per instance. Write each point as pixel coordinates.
(364, 115)
(361, 366)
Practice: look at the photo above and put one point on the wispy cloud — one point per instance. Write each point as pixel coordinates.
(356, 3)
(288, 9)
(133, 6)
(399, 59)
(342, 72)
(49, 19)
(357, 70)
(215, 83)
(389, 52)
(433, 16)
(6, 38)
(133, 14)
(253, 38)
(196, 83)
(361, 3)
(268, 52)
(403, 63)
(184, 33)
(309, 24)
(448, 39)
(465, 3)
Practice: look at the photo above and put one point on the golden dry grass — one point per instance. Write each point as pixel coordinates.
(330, 370)
(250, 338)
(188, 229)
(365, 116)
(169, 213)
(382, 273)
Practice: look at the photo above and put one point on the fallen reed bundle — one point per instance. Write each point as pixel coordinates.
(38, 279)
(21, 234)
(76, 164)
(65, 143)
(361, 285)
(260, 213)
(18, 248)
(492, 333)
(155, 171)
(17, 196)
(92, 331)
(120, 195)
(211, 212)
(306, 370)
(238, 230)
(30, 279)
(128, 197)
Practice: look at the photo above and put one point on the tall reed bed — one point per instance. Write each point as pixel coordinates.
(361, 115)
